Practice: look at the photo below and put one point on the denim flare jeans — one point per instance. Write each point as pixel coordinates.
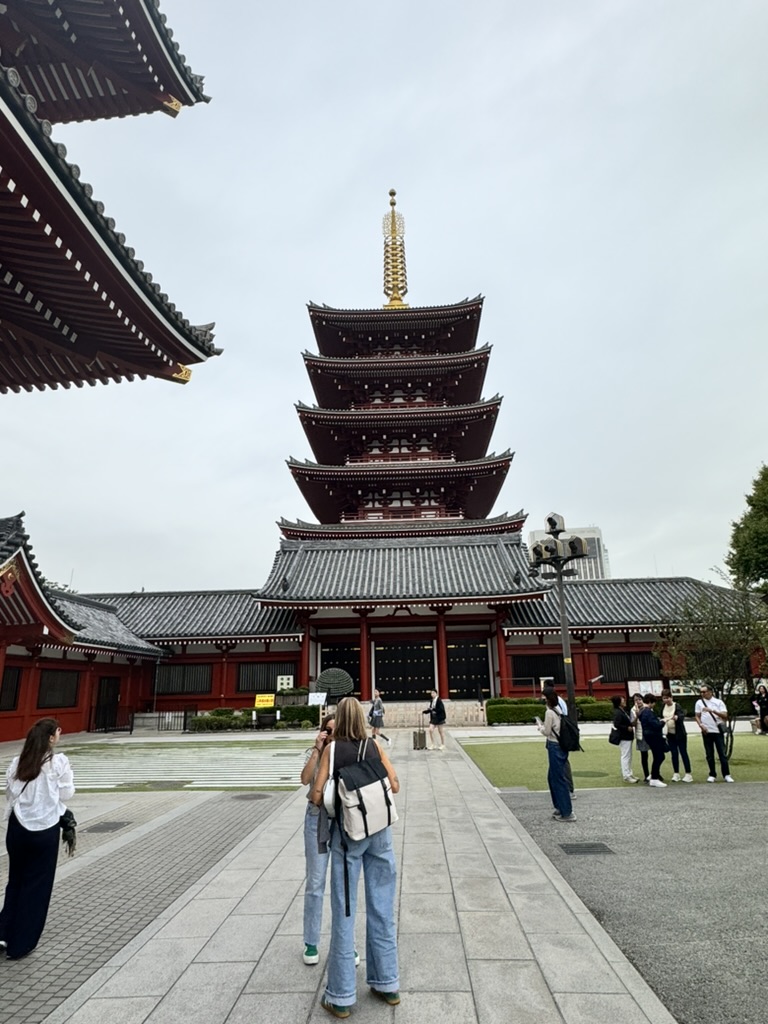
(375, 857)
(314, 883)
(558, 784)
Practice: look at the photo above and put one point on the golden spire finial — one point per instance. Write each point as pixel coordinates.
(395, 277)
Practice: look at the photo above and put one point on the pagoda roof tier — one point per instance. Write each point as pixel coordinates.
(623, 605)
(333, 492)
(386, 573)
(90, 59)
(77, 305)
(335, 434)
(34, 614)
(333, 377)
(343, 332)
(401, 528)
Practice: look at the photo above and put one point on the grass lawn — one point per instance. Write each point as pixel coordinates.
(523, 763)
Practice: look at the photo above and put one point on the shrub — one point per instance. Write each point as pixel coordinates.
(306, 724)
(222, 713)
(500, 714)
(595, 710)
(281, 725)
(294, 714)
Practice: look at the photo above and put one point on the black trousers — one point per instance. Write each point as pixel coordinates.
(658, 753)
(713, 741)
(32, 860)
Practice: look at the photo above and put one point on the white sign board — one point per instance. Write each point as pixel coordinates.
(284, 683)
(315, 698)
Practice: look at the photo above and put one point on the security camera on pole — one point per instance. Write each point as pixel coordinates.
(555, 554)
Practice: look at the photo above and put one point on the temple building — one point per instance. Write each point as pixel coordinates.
(76, 304)
(404, 582)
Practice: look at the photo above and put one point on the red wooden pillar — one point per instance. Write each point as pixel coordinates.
(28, 691)
(442, 656)
(305, 647)
(502, 656)
(3, 649)
(365, 656)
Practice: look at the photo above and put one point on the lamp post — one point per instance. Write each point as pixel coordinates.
(555, 554)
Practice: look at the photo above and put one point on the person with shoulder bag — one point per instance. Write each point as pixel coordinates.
(437, 718)
(625, 734)
(37, 783)
(712, 718)
(558, 758)
(376, 718)
(374, 857)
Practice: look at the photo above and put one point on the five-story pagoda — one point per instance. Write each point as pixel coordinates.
(405, 582)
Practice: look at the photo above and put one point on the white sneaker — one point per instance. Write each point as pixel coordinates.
(729, 778)
(687, 777)
(658, 784)
(675, 777)
(630, 778)
(441, 747)
(711, 778)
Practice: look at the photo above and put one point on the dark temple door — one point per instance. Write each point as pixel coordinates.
(107, 703)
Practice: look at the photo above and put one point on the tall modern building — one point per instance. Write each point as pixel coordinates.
(596, 565)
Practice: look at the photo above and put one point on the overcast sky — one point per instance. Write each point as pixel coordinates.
(596, 169)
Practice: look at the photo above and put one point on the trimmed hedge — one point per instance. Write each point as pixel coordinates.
(500, 711)
(297, 713)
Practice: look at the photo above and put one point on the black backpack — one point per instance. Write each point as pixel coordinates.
(568, 736)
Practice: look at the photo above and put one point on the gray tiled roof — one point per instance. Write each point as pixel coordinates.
(420, 570)
(100, 627)
(612, 604)
(201, 615)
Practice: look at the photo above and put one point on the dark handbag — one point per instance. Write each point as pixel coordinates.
(614, 737)
(67, 824)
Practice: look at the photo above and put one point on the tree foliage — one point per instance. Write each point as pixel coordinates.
(747, 559)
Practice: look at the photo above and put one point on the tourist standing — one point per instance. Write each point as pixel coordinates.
(436, 712)
(673, 716)
(37, 783)
(653, 734)
(760, 704)
(623, 725)
(373, 856)
(556, 778)
(642, 746)
(376, 717)
(316, 835)
(712, 716)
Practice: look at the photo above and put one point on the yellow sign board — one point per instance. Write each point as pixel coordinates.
(264, 700)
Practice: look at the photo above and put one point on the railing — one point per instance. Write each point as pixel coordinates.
(414, 512)
(400, 457)
(111, 719)
(396, 404)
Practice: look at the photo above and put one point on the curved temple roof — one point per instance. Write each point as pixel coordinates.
(90, 59)
(77, 305)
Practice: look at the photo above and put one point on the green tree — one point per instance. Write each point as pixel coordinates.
(747, 559)
(712, 639)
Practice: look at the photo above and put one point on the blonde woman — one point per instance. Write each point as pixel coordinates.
(375, 857)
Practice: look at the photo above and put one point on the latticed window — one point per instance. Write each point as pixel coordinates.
(261, 676)
(621, 668)
(170, 679)
(9, 689)
(58, 689)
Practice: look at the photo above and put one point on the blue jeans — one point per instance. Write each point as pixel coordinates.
(374, 855)
(556, 777)
(314, 882)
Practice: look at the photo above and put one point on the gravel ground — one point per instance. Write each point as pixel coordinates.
(682, 891)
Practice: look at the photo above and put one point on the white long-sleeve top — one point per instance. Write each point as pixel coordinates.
(39, 804)
(550, 727)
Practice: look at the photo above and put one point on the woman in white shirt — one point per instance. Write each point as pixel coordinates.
(37, 783)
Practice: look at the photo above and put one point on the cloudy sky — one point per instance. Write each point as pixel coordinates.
(595, 168)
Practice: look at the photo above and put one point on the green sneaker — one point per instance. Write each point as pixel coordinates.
(336, 1011)
(392, 998)
(311, 956)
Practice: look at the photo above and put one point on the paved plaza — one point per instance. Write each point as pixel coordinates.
(191, 911)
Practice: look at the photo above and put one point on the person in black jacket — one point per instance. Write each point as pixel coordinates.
(677, 738)
(436, 712)
(653, 734)
(623, 725)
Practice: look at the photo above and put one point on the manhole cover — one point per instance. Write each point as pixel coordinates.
(251, 796)
(107, 826)
(576, 849)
